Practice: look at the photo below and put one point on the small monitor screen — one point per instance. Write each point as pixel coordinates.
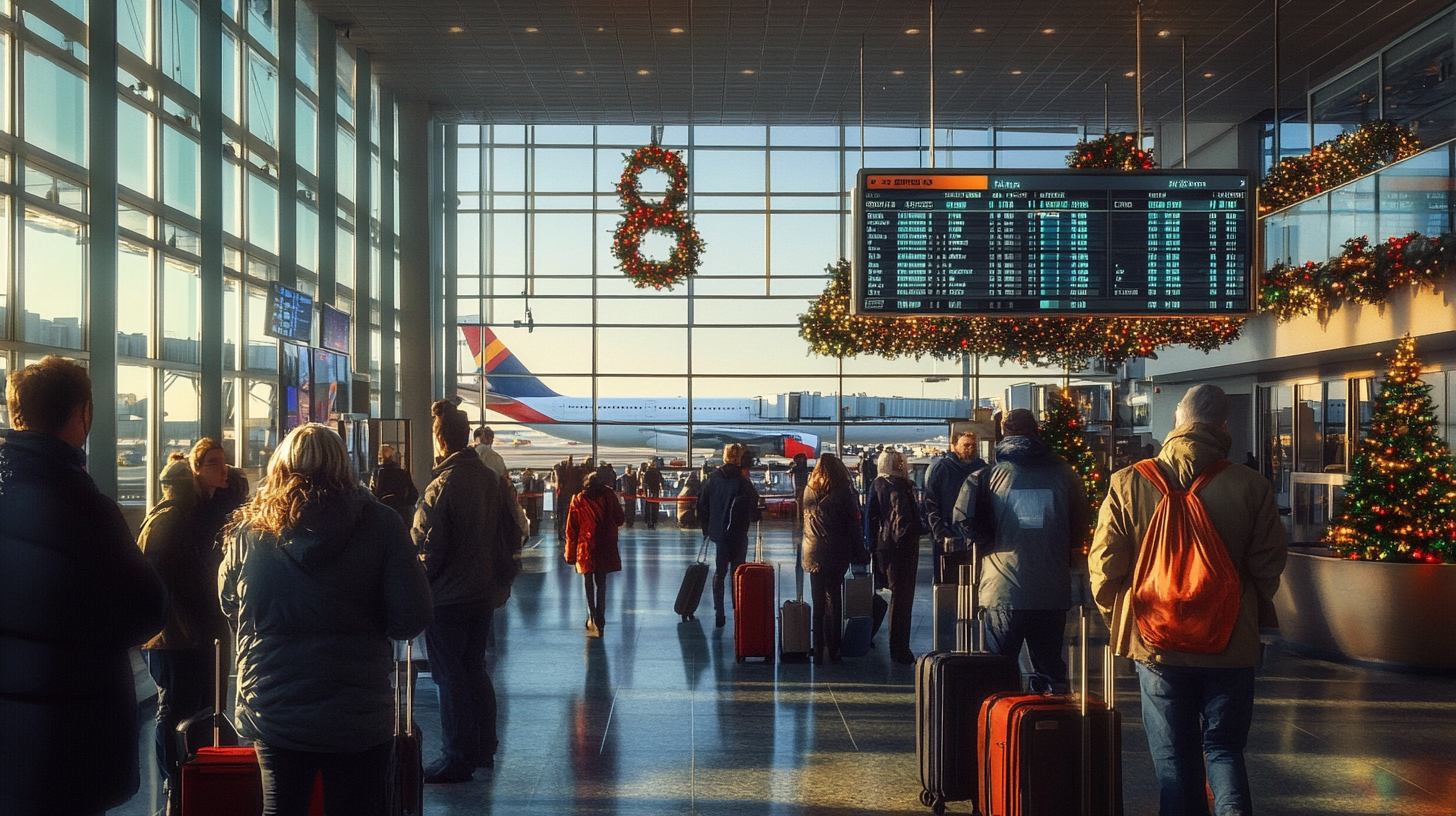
(290, 314)
(334, 334)
(297, 385)
(1162, 243)
(330, 384)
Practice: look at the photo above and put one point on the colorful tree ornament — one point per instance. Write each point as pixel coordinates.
(643, 217)
(1065, 432)
(1400, 495)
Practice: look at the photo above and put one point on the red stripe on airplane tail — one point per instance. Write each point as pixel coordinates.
(521, 412)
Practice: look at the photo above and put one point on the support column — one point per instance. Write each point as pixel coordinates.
(328, 160)
(101, 300)
(417, 330)
(209, 55)
(388, 365)
(449, 228)
(363, 218)
(287, 143)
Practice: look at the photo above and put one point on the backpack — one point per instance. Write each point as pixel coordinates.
(742, 510)
(1186, 592)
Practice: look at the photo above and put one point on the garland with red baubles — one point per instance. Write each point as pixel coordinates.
(667, 216)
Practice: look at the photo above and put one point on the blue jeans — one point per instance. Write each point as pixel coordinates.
(1043, 632)
(1195, 715)
(456, 640)
(184, 687)
(354, 783)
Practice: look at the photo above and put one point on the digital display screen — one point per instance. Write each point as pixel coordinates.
(290, 314)
(330, 384)
(1063, 242)
(297, 381)
(334, 334)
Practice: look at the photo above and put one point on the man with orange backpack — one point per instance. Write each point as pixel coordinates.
(1188, 548)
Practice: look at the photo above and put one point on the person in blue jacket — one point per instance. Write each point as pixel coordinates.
(942, 488)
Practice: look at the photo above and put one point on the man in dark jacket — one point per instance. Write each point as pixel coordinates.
(569, 480)
(799, 476)
(1030, 511)
(628, 487)
(392, 485)
(727, 504)
(652, 485)
(893, 521)
(75, 595)
(942, 488)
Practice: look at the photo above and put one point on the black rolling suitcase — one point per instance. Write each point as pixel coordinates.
(690, 594)
(406, 784)
(949, 690)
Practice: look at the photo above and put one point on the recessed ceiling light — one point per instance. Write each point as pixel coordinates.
(457, 29)
(898, 73)
(643, 72)
(1016, 73)
(581, 73)
(978, 30)
(1130, 73)
(747, 71)
(912, 31)
(1165, 32)
(599, 28)
(675, 30)
(532, 29)
(1208, 75)
(958, 72)
(1048, 31)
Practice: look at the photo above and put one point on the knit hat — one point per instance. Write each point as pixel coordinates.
(177, 470)
(1019, 422)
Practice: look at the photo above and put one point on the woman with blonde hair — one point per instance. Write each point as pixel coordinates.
(317, 579)
(895, 531)
(831, 534)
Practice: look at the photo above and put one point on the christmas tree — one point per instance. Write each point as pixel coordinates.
(1400, 497)
(1066, 434)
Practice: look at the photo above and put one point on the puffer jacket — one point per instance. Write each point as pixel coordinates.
(180, 540)
(1240, 503)
(714, 499)
(314, 611)
(1034, 505)
(591, 531)
(942, 488)
(460, 529)
(893, 520)
(75, 595)
(831, 529)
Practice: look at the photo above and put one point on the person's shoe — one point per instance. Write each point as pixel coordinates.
(444, 774)
(905, 658)
(592, 630)
(835, 659)
(720, 620)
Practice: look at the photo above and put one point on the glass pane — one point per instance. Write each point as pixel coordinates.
(53, 281)
(1349, 100)
(344, 73)
(134, 27)
(179, 42)
(4, 270)
(134, 148)
(1309, 428)
(262, 349)
(5, 82)
(727, 171)
(736, 244)
(133, 300)
(308, 33)
(181, 157)
(181, 412)
(306, 135)
(566, 171)
(308, 236)
(260, 420)
(804, 171)
(346, 160)
(344, 254)
(181, 323)
(231, 323)
(803, 244)
(230, 78)
(55, 108)
(262, 212)
(1365, 405)
(260, 24)
(262, 98)
(133, 460)
(4, 405)
(1334, 431)
(232, 196)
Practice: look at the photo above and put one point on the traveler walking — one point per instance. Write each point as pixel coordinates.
(484, 448)
(1031, 510)
(77, 595)
(728, 503)
(831, 535)
(652, 485)
(533, 487)
(318, 577)
(591, 545)
(393, 486)
(568, 484)
(942, 488)
(467, 534)
(799, 476)
(628, 485)
(895, 529)
(1197, 685)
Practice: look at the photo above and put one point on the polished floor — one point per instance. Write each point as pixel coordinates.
(658, 718)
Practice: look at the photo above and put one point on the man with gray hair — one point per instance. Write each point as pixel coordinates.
(1197, 705)
(1029, 513)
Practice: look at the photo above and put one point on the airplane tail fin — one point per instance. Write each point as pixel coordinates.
(504, 374)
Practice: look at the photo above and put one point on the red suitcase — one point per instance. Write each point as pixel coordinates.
(221, 780)
(753, 608)
(1044, 755)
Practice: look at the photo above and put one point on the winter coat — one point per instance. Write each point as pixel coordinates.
(314, 611)
(831, 530)
(491, 458)
(893, 521)
(591, 531)
(393, 486)
(942, 488)
(1033, 508)
(652, 483)
(799, 475)
(75, 595)
(465, 531)
(628, 485)
(181, 542)
(714, 499)
(1241, 505)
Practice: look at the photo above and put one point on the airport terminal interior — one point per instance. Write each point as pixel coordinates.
(244, 215)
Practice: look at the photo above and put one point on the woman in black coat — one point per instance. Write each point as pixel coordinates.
(895, 529)
(831, 534)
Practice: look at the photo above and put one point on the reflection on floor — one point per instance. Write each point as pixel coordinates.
(657, 717)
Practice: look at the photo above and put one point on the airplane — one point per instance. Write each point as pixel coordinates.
(661, 422)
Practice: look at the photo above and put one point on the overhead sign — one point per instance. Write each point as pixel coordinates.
(1159, 243)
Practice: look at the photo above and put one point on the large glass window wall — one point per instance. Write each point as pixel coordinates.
(622, 372)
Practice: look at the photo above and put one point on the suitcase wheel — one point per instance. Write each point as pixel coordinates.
(926, 798)
(938, 806)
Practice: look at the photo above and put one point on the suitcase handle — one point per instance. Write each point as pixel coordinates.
(217, 692)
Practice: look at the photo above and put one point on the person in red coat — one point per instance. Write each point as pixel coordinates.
(591, 544)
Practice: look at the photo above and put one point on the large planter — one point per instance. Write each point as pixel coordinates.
(1371, 611)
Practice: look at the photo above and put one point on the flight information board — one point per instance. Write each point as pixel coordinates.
(1158, 243)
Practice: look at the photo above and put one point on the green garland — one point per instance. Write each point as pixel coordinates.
(642, 217)
(1114, 151)
(1359, 273)
(1338, 161)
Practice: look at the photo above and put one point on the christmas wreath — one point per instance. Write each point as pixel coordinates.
(667, 216)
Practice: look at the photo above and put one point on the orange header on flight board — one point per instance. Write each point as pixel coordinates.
(929, 182)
